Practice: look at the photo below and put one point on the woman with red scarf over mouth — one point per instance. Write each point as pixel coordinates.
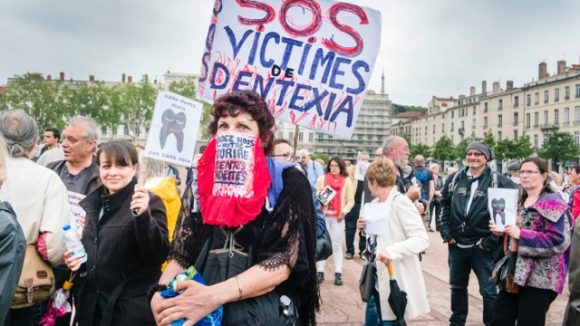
(265, 206)
(336, 178)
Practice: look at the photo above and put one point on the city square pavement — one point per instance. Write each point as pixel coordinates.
(341, 305)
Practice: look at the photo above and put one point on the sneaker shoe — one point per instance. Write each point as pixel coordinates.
(320, 277)
(348, 255)
(337, 279)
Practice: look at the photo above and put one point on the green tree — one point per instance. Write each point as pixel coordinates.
(137, 102)
(523, 147)
(38, 98)
(460, 149)
(505, 149)
(186, 87)
(444, 150)
(489, 140)
(559, 146)
(321, 156)
(420, 149)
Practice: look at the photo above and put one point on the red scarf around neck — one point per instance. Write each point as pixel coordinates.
(336, 184)
(226, 208)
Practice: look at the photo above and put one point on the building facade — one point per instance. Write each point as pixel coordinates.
(507, 113)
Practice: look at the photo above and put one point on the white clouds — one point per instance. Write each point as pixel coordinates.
(428, 48)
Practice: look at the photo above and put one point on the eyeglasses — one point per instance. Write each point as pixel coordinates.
(529, 172)
(476, 154)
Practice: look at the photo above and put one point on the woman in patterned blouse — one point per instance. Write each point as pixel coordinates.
(543, 238)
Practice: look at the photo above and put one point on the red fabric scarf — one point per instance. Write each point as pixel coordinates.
(337, 184)
(231, 210)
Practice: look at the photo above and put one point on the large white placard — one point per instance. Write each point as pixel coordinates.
(310, 60)
(503, 206)
(173, 130)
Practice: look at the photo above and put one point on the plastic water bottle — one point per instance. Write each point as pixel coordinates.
(73, 243)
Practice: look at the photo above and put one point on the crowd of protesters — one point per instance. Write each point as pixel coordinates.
(140, 232)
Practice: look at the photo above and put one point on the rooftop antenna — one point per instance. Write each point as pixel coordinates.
(383, 82)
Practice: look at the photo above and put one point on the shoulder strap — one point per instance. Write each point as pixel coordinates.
(453, 181)
(494, 178)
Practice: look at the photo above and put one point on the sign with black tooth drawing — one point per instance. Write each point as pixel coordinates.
(173, 130)
(503, 206)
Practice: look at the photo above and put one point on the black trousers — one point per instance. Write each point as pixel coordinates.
(528, 307)
(350, 229)
(25, 316)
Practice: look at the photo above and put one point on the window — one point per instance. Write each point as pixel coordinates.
(546, 118)
(291, 136)
(485, 107)
(452, 114)
(452, 126)
(426, 130)
(473, 124)
(577, 90)
(474, 110)
(536, 140)
(528, 120)
(125, 130)
(443, 128)
(370, 137)
(577, 114)
(577, 138)
(516, 118)
(310, 137)
(528, 100)
(536, 119)
(103, 130)
(516, 101)
(567, 93)
(515, 134)
(301, 136)
(484, 122)
(320, 137)
(556, 117)
(557, 95)
(115, 129)
(500, 104)
(499, 135)
(546, 96)
(499, 120)
(537, 98)
(566, 117)
(462, 124)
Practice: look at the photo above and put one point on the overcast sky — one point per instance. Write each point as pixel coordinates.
(437, 47)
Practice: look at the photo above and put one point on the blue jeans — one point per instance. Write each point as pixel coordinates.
(461, 262)
(372, 315)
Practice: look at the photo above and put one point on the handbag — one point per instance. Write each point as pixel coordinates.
(36, 282)
(503, 271)
(366, 283)
(323, 246)
(218, 265)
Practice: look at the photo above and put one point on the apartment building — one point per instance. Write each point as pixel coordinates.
(553, 100)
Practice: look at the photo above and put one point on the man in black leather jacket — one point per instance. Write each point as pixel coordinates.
(465, 227)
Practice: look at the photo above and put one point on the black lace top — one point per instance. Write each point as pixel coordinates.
(285, 236)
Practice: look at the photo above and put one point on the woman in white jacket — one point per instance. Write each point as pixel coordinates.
(395, 233)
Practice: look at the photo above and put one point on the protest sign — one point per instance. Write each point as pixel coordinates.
(310, 60)
(234, 158)
(503, 206)
(173, 130)
(78, 213)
